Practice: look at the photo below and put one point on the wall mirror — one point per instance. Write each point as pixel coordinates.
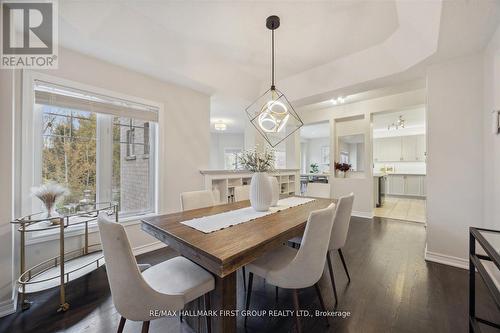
(352, 151)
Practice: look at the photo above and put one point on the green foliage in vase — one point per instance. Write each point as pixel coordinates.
(255, 161)
(314, 168)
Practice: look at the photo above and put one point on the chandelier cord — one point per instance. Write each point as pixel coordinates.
(272, 60)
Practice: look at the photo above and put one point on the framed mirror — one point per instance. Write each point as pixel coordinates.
(351, 150)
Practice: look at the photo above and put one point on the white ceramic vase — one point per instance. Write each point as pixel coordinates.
(260, 192)
(275, 189)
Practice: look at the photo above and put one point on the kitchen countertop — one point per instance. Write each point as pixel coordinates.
(381, 174)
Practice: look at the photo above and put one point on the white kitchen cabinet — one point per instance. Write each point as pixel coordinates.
(402, 148)
(396, 184)
(376, 150)
(412, 185)
(389, 149)
(421, 148)
(423, 190)
(409, 148)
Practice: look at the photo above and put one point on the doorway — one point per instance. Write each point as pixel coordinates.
(399, 164)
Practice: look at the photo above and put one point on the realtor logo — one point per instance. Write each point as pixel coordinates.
(29, 34)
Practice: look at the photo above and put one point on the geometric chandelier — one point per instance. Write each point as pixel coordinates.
(272, 114)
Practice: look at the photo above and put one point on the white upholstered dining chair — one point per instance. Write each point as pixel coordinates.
(338, 236)
(165, 286)
(291, 268)
(241, 193)
(196, 199)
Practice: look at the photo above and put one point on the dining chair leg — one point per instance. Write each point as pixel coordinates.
(321, 302)
(199, 309)
(249, 293)
(145, 327)
(243, 270)
(276, 293)
(121, 324)
(297, 308)
(330, 268)
(208, 307)
(345, 266)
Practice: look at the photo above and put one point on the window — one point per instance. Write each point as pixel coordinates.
(280, 159)
(96, 146)
(69, 150)
(231, 158)
(131, 165)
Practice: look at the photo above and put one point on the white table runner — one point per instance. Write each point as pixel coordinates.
(208, 224)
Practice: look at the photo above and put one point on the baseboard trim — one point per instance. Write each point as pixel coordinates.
(8, 307)
(446, 259)
(366, 215)
(148, 248)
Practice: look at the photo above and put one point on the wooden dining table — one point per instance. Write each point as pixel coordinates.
(224, 251)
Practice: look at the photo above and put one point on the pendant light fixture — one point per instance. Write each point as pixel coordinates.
(272, 114)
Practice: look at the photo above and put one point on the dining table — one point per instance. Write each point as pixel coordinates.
(224, 251)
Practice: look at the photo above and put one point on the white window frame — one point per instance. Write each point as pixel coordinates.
(31, 146)
(235, 150)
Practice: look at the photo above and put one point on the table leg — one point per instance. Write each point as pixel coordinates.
(224, 298)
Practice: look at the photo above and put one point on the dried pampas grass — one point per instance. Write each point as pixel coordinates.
(49, 194)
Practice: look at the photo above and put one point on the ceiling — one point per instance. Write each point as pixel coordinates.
(323, 48)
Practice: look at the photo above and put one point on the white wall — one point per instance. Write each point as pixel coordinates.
(455, 156)
(491, 144)
(183, 147)
(221, 141)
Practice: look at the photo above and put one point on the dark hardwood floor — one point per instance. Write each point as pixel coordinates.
(393, 289)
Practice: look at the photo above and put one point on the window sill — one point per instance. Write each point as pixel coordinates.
(79, 230)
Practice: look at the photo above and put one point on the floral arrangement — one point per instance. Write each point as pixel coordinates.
(314, 168)
(49, 194)
(344, 167)
(255, 161)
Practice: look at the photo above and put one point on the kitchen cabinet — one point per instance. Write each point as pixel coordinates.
(409, 185)
(412, 185)
(396, 184)
(389, 149)
(423, 190)
(410, 148)
(421, 148)
(376, 150)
